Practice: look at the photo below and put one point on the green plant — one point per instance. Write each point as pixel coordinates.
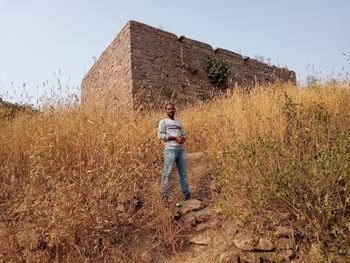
(11, 110)
(217, 70)
(206, 97)
(193, 67)
(167, 91)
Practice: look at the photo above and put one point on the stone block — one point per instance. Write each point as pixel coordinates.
(142, 50)
(265, 244)
(285, 243)
(189, 205)
(244, 241)
(228, 256)
(202, 238)
(249, 257)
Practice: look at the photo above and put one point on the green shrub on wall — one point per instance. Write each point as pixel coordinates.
(217, 70)
(167, 91)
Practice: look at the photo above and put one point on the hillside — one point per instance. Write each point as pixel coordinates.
(82, 184)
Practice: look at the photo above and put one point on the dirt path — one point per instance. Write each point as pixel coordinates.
(199, 173)
(217, 238)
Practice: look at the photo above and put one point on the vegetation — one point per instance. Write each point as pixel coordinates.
(193, 67)
(82, 183)
(217, 70)
(167, 91)
(206, 97)
(10, 110)
(297, 161)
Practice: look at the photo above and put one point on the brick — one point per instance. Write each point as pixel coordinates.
(141, 52)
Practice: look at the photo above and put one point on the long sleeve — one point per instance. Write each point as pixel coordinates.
(162, 131)
(183, 133)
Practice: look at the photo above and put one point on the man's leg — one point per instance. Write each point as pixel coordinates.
(169, 159)
(181, 167)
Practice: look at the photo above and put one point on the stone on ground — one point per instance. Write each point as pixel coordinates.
(285, 243)
(202, 238)
(228, 256)
(265, 244)
(200, 215)
(244, 241)
(190, 205)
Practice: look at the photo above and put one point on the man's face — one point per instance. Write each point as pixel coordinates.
(170, 111)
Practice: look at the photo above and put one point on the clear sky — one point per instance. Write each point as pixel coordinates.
(42, 40)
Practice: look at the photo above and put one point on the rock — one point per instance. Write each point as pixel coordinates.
(265, 245)
(190, 217)
(203, 226)
(270, 257)
(219, 240)
(200, 215)
(204, 212)
(228, 257)
(287, 254)
(285, 243)
(146, 257)
(189, 206)
(180, 38)
(244, 241)
(232, 228)
(198, 248)
(249, 257)
(202, 238)
(283, 231)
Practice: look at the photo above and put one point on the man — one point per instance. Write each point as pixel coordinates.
(171, 131)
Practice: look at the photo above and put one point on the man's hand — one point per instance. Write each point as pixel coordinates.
(181, 139)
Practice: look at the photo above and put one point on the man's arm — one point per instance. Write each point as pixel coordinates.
(162, 131)
(163, 135)
(177, 138)
(183, 134)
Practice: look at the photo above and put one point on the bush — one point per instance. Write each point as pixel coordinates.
(217, 70)
(305, 172)
(11, 110)
(82, 184)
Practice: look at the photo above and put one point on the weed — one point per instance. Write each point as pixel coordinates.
(193, 67)
(167, 91)
(82, 183)
(206, 97)
(217, 70)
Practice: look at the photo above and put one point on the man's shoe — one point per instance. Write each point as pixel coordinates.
(187, 197)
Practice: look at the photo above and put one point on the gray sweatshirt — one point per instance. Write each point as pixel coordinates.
(168, 127)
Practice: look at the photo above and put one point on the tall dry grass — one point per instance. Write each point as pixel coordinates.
(82, 183)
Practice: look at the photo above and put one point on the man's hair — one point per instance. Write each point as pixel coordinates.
(172, 104)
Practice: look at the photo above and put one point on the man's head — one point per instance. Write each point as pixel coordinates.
(170, 110)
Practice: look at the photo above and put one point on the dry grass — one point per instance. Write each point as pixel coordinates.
(82, 183)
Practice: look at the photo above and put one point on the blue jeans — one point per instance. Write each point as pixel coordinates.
(177, 156)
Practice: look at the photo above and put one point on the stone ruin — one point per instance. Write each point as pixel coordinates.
(149, 66)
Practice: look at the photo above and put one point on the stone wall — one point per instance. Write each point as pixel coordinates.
(153, 66)
(109, 80)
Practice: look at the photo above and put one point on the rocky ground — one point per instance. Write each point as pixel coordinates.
(217, 238)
